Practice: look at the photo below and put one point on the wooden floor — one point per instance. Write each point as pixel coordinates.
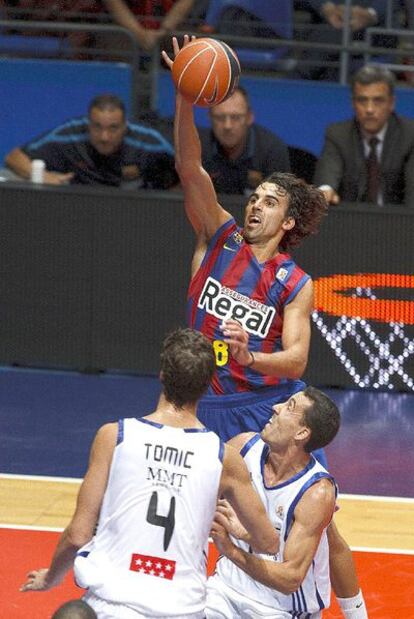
(364, 521)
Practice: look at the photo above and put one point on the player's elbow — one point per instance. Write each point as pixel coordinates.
(291, 582)
(289, 587)
(296, 371)
(297, 367)
(76, 537)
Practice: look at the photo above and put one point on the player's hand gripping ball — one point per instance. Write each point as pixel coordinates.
(206, 72)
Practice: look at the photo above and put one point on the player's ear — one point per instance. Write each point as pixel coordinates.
(289, 223)
(303, 434)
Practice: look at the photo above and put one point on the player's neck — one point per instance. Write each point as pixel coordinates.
(168, 414)
(282, 466)
(265, 250)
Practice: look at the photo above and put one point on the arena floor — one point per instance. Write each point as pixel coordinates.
(48, 420)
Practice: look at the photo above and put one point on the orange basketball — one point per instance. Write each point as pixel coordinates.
(206, 72)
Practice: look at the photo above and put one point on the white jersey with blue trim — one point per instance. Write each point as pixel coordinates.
(280, 502)
(150, 548)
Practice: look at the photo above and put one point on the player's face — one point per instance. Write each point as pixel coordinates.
(230, 122)
(266, 214)
(287, 422)
(106, 130)
(373, 105)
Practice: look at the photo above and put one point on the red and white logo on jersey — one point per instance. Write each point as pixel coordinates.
(153, 566)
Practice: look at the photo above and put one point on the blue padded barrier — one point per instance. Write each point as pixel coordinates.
(298, 111)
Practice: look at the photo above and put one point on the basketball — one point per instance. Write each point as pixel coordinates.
(206, 72)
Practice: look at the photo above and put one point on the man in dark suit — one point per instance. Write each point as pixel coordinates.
(371, 157)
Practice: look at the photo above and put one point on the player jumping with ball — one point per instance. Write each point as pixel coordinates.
(251, 299)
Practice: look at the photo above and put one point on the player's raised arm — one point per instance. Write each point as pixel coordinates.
(237, 488)
(204, 212)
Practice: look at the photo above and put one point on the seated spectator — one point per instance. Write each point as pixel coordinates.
(328, 21)
(149, 21)
(369, 158)
(75, 609)
(100, 149)
(238, 21)
(237, 153)
(69, 11)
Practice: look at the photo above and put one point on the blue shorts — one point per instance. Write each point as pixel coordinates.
(228, 415)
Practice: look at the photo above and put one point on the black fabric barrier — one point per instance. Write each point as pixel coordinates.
(94, 279)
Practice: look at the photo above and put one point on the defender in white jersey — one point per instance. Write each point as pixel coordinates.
(150, 492)
(299, 496)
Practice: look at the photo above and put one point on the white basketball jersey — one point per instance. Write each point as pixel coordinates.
(280, 502)
(150, 547)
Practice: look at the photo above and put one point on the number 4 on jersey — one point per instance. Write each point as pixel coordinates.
(167, 522)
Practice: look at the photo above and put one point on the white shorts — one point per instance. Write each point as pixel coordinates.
(223, 602)
(113, 610)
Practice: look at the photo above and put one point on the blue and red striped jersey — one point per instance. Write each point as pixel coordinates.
(231, 283)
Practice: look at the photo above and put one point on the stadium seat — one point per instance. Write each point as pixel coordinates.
(276, 15)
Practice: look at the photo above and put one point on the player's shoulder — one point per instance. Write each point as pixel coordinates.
(108, 430)
(320, 494)
(239, 441)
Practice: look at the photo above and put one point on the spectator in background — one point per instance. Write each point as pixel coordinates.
(328, 23)
(68, 11)
(149, 21)
(369, 158)
(100, 149)
(237, 153)
(75, 609)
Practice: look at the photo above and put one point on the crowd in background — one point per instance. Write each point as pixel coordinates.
(151, 23)
(237, 152)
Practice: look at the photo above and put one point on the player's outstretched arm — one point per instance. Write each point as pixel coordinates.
(312, 515)
(204, 212)
(82, 526)
(237, 488)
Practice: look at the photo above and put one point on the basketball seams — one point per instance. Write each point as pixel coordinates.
(193, 59)
(206, 80)
(232, 80)
(228, 72)
(213, 62)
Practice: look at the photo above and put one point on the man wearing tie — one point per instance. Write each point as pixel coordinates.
(369, 158)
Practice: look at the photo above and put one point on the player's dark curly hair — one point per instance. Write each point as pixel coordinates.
(307, 205)
(187, 366)
(322, 417)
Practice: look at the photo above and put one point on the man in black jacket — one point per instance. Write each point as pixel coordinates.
(237, 153)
